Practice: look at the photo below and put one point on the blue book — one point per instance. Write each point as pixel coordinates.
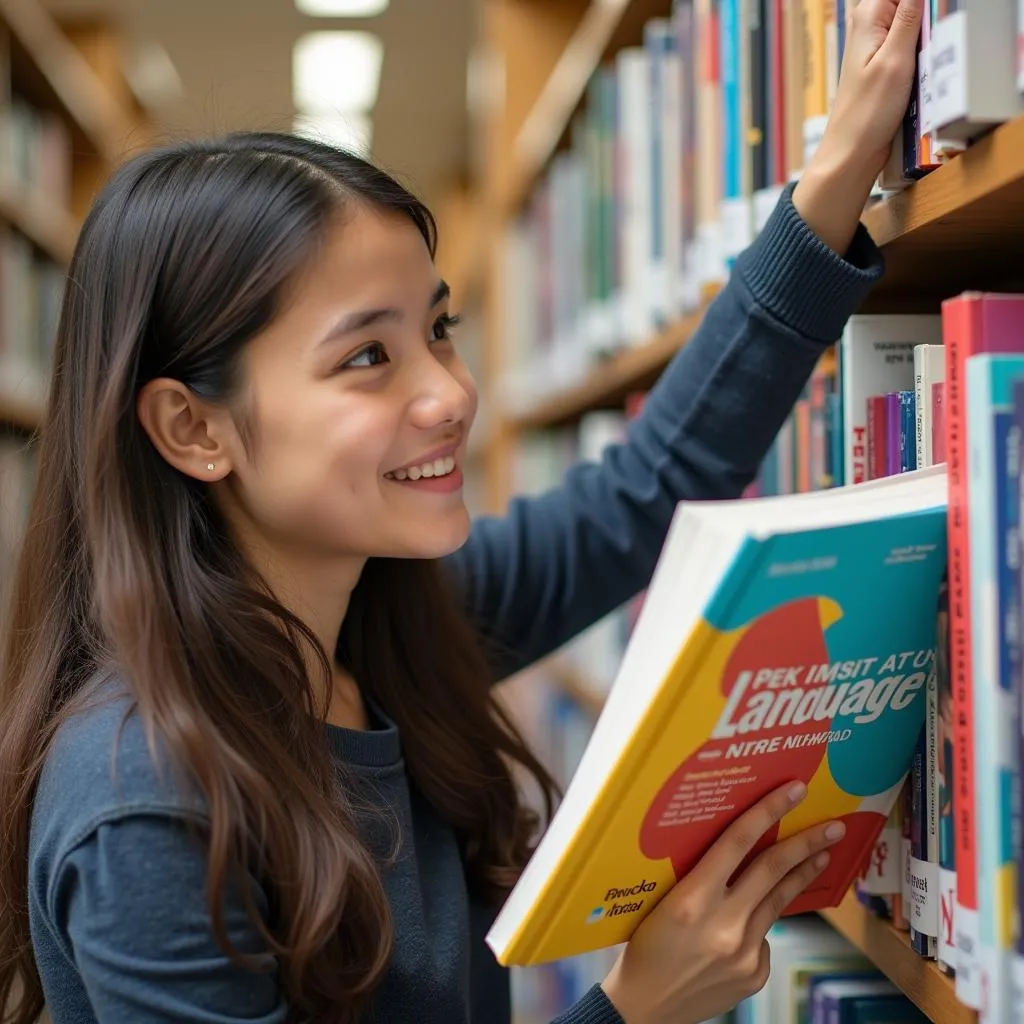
(880, 1009)
(908, 431)
(989, 382)
(1015, 520)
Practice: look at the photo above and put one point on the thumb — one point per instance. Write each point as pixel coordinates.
(906, 25)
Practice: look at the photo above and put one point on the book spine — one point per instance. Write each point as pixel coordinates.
(893, 433)
(815, 75)
(908, 424)
(958, 329)
(989, 420)
(794, 42)
(1016, 515)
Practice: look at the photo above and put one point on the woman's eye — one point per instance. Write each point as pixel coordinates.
(372, 355)
(443, 325)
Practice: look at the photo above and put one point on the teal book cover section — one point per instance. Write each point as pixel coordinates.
(840, 624)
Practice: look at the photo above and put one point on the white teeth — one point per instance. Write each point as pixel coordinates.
(439, 467)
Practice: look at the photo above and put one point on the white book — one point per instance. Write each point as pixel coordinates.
(877, 356)
(633, 69)
(974, 68)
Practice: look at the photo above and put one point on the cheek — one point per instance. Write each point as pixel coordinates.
(317, 470)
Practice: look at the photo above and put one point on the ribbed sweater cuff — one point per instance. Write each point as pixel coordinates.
(801, 281)
(594, 1008)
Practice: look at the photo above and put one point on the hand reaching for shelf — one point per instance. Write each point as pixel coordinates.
(879, 69)
(704, 949)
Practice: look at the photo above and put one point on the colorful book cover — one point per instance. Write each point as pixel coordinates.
(759, 657)
(989, 400)
(973, 323)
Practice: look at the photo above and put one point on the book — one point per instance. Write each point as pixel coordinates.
(973, 323)
(780, 638)
(989, 381)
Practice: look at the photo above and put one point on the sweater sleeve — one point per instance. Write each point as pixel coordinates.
(594, 1008)
(554, 564)
(128, 905)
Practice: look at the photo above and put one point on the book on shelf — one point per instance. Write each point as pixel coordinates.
(781, 638)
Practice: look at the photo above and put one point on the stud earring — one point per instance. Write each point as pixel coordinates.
(211, 466)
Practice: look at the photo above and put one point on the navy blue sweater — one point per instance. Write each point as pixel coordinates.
(118, 913)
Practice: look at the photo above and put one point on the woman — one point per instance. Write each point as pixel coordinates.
(252, 766)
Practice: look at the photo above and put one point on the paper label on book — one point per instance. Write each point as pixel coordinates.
(946, 950)
(968, 976)
(924, 897)
(814, 130)
(883, 876)
(925, 102)
(765, 201)
(737, 226)
(948, 51)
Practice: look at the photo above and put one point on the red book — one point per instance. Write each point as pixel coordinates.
(938, 422)
(972, 323)
(877, 438)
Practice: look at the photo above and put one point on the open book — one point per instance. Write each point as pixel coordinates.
(781, 638)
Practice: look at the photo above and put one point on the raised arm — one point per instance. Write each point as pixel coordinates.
(556, 563)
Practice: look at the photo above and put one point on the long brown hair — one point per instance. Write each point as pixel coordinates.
(126, 563)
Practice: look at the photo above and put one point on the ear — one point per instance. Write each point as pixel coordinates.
(190, 434)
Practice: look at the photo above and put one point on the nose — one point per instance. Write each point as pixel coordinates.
(440, 396)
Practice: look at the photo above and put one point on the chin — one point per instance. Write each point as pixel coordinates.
(430, 540)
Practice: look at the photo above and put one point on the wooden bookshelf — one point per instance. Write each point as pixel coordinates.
(604, 28)
(55, 74)
(609, 382)
(957, 228)
(889, 950)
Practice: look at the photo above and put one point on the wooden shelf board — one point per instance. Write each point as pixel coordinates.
(956, 229)
(889, 950)
(606, 27)
(609, 382)
(20, 413)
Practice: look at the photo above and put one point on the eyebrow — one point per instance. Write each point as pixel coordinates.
(363, 318)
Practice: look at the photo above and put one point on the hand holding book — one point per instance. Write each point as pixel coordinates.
(704, 947)
(879, 68)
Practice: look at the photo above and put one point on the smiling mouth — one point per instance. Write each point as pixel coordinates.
(437, 468)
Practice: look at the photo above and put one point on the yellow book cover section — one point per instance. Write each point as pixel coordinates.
(761, 656)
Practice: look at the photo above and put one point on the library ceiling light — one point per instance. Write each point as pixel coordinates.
(350, 132)
(341, 8)
(336, 72)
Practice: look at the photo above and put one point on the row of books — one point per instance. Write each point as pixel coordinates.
(819, 978)
(894, 394)
(681, 149)
(31, 290)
